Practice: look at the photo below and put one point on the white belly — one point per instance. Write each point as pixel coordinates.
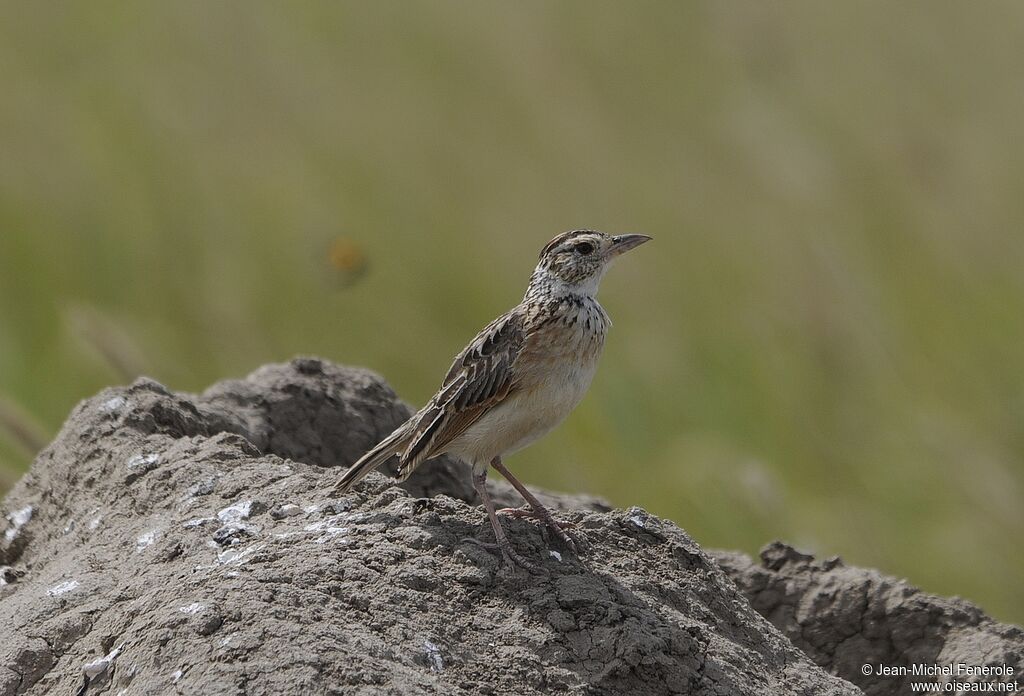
(526, 416)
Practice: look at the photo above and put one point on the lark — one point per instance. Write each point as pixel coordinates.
(518, 379)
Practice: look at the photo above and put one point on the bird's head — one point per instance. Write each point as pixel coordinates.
(574, 262)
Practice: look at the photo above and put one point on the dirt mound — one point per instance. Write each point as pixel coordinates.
(175, 543)
(845, 617)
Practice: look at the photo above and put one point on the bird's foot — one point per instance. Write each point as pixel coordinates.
(560, 527)
(508, 555)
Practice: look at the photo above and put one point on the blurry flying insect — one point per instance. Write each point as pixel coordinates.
(347, 261)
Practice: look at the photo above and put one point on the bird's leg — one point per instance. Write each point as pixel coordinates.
(507, 552)
(538, 510)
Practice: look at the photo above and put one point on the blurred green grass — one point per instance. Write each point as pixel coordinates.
(824, 343)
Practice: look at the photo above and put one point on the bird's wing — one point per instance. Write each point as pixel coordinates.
(481, 377)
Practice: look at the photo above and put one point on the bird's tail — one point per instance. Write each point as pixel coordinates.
(384, 450)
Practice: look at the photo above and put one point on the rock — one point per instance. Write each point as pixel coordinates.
(846, 617)
(377, 592)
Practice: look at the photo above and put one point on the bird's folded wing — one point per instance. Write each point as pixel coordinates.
(481, 377)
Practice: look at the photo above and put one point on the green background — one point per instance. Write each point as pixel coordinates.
(824, 343)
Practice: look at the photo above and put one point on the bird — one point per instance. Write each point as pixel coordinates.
(516, 380)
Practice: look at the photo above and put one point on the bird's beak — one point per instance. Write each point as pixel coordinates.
(621, 243)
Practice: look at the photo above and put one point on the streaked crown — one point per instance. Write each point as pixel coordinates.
(574, 262)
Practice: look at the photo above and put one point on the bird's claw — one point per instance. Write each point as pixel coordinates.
(559, 527)
(571, 540)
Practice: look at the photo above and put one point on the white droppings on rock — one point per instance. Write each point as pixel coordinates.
(200, 489)
(237, 512)
(63, 588)
(146, 461)
(287, 510)
(228, 556)
(18, 519)
(557, 556)
(328, 524)
(433, 656)
(197, 522)
(96, 667)
(330, 533)
(146, 540)
(638, 521)
(193, 608)
(113, 404)
(237, 556)
(101, 665)
(176, 677)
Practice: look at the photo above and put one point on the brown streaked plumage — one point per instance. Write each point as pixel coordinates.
(518, 379)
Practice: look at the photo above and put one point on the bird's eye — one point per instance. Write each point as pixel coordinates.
(584, 248)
